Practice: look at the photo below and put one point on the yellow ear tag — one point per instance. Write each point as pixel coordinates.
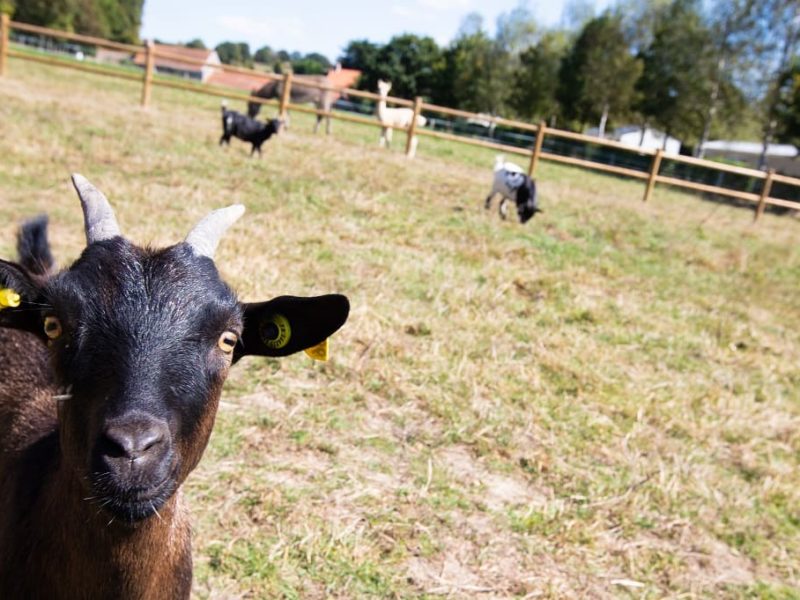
(275, 331)
(318, 352)
(8, 298)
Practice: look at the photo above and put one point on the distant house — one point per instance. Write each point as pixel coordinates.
(781, 157)
(192, 63)
(651, 139)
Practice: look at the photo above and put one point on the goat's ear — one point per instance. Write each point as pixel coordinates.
(289, 324)
(27, 314)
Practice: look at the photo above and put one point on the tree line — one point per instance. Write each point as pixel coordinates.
(694, 69)
(117, 20)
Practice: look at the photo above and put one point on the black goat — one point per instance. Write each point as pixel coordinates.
(241, 126)
(110, 377)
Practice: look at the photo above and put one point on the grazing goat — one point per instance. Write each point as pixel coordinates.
(241, 126)
(395, 117)
(111, 374)
(511, 182)
(299, 94)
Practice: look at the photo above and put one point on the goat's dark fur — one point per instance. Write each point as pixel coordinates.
(138, 360)
(33, 247)
(241, 126)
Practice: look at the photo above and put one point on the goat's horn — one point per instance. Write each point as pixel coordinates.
(205, 236)
(98, 216)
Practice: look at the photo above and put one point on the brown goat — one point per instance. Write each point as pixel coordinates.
(111, 372)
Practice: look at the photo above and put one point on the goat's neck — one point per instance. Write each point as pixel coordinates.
(87, 550)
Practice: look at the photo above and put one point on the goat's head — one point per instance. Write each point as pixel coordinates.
(527, 202)
(278, 125)
(142, 339)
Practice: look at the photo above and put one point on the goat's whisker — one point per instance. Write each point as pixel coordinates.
(153, 506)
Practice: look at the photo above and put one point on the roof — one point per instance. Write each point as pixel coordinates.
(340, 78)
(754, 148)
(194, 55)
(343, 78)
(241, 81)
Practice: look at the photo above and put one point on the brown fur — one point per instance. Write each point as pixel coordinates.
(46, 516)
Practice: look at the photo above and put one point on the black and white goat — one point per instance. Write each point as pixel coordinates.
(511, 182)
(241, 126)
(110, 377)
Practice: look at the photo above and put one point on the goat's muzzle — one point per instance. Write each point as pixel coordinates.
(133, 466)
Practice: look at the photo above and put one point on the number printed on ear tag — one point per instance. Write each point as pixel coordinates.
(275, 331)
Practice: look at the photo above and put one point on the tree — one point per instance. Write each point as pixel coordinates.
(264, 55)
(56, 14)
(674, 85)
(361, 55)
(639, 20)
(533, 94)
(467, 73)
(731, 24)
(787, 107)
(313, 63)
(412, 63)
(597, 78)
(234, 53)
(118, 20)
(778, 23)
(515, 32)
(196, 43)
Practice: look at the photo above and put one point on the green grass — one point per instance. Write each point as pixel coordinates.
(607, 394)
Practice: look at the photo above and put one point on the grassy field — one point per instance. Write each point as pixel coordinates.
(604, 402)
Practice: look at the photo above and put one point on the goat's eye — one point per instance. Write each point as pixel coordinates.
(227, 341)
(52, 327)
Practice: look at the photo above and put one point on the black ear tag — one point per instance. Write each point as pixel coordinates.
(275, 331)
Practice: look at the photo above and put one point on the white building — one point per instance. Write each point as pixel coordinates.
(652, 139)
(192, 63)
(781, 157)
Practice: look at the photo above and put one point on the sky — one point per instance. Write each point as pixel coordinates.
(326, 27)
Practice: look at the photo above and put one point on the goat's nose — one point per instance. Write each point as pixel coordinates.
(134, 438)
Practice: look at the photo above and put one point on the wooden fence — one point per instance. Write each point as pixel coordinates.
(653, 175)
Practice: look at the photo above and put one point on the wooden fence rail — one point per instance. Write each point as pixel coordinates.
(651, 176)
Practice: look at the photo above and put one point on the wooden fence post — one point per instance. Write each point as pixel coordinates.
(286, 94)
(654, 168)
(150, 51)
(537, 149)
(411, 146)
(4, 27)
(762, 200)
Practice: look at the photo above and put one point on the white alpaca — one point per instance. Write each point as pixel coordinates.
(395, 117)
